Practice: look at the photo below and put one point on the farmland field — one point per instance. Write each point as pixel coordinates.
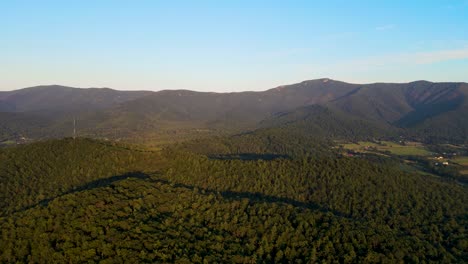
(461, 160)
(410, 148)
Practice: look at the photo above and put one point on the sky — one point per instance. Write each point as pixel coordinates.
(226, 46)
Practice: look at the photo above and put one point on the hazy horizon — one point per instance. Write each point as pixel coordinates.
(230, 47)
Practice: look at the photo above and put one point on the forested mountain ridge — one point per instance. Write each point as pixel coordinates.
(58, 99)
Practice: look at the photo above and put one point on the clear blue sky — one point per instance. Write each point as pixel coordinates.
(229, 45)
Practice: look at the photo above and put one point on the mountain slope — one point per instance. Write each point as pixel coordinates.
(403, 104)
(14, 126)
(327, 123)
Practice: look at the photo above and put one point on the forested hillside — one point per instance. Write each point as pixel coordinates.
(88, 201)
(34, 173)
(323, 122)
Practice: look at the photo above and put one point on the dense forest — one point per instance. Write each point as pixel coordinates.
(84, 200)
(40, 171)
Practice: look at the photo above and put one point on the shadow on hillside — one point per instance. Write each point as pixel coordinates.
(253, 197)
(248, 156)
(90, 186)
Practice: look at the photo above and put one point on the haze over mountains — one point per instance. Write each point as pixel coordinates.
(426, 110)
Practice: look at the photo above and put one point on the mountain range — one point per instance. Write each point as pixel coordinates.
(423, 110)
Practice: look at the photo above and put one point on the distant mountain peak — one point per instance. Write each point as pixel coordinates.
(420, 81)
(322, 80)
(49, 87)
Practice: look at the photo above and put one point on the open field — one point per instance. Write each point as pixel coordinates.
(410, 148)
(461, 160)
(8, 142)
